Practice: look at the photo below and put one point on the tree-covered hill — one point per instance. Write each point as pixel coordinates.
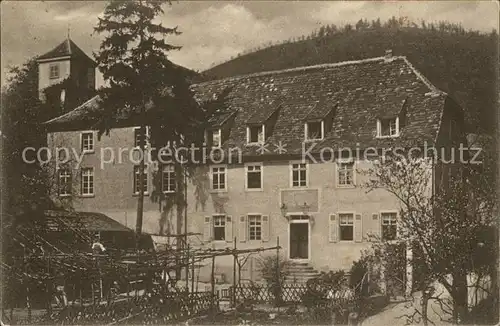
(462, 63)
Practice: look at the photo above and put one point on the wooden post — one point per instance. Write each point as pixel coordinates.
(128, 283)
(186, 261)
(192, 274)
(233, 294)
(212, 282)
(278, 278)
(49, 287)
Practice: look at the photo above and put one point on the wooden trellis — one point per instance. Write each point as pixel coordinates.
(122, 278)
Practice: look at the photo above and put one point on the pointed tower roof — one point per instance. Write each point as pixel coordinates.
(67, 48)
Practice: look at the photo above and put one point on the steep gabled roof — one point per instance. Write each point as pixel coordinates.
(359, 92)
(67, 48)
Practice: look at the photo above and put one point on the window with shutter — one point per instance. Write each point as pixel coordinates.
(358, 228)
(242, 230)
(266, 231)
(333, 228)
(229, 228)
(207, 229)
(389, 225)
(376, 230)
(219, 228)
(346, 227)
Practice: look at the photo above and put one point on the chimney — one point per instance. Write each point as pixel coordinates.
(388, 55)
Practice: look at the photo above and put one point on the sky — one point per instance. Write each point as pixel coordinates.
(213, 32)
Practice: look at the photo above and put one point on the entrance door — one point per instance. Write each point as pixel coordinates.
(299, 240)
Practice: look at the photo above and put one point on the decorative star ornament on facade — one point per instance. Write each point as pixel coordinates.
(280, 148)
(262, 148)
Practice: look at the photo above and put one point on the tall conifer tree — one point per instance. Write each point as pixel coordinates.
(133, 59)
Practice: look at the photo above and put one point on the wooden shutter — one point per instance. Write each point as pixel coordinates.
(265, 227)
(358, 228)
(242, 230)
(333, 228)
(229, 228)
(377, 229)
(207, 228)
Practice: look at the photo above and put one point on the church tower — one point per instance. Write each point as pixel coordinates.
(66, 76)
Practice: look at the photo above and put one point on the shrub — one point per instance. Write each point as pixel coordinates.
(274, 270)
(358, 278)
(328, 295)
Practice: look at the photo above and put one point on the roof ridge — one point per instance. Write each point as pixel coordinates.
(68, 40)
(67, 113)
(424, 79)
(303, 68)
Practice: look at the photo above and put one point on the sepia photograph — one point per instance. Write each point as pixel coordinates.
(249, 162)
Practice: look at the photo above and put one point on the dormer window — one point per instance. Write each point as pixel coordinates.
(213, 138)
(54, 71)
(314, 130)
(216, 138)
(256, 134)
(388, 127)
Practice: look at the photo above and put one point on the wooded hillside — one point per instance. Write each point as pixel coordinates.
(460, 62)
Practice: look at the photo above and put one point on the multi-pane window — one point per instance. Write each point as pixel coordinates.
(346, 227)
(168, 179)
(138, 137)
(218, 178)
(254, 176)
(389, 226)
(314, 130)
(299, 175)
(345, 173)
(87, 141)
(219, 227)
(256, 134)
(255, 227)
(54, 71)
(87, 179)
(64, 182)
(215, 138)
(137, 179)
(388, 127)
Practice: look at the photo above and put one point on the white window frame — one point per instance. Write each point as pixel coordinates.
(291, 173)
(67, 177)
(338, 165)
(379, 128)
(90, 179)
(247, 166)
(146, 144)
(306, 130)
(212, 167)
(259, 141)
(222, 225)
(136, 193)
(219, 132)
(82, 135)
(170, 169)
(382, 223)
(353, 215)
(249, 227)
(57, 67)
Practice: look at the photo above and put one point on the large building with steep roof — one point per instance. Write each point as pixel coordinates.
(291, 129)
